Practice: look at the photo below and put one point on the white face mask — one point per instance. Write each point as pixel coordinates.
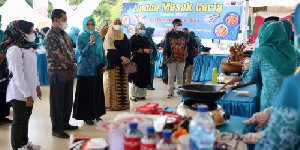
(117, 27)
(63, 25)
(179, 28)
(30, 37)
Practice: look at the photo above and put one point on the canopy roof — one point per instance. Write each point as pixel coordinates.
(20, 10)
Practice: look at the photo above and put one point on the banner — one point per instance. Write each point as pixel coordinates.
(209, 19)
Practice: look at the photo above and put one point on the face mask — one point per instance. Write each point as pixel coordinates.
(142, 32)
(257, 43)
(63, 25)
(90, 29)
(179, 28)
(117, 27)
(30, 37)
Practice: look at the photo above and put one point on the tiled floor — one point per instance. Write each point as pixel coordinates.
(40, 124)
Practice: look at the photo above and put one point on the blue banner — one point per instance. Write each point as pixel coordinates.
(209, 19)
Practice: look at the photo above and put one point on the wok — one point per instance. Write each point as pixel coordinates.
(205, 93)
(201, 93)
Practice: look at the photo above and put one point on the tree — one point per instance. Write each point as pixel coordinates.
(50, 9)
(30, 3)
(2, 2)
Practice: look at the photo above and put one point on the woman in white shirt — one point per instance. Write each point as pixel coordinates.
(23, 87)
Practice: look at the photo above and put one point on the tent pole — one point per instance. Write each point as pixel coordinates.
(245, 21)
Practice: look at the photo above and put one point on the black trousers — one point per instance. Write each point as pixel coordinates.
(4, 106)
(19, 127)
(61, 102)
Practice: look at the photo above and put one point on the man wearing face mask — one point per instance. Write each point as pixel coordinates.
(175, 52)
(61, 71)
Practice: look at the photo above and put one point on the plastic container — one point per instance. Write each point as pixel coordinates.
(151, 105)
(178, 117)
(158, 111)
(183, 142)
(202, 130)
(132, 139)
(149, 141)
(166, 143)
(144, 110)
(214, 76)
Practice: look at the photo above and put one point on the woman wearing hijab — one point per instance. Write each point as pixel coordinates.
(141, 49)
(103, 31)
(89, 98)
(153, 55)
(74, 32)
(116, 45)
(44, 31)
(271, 62)
(23, 87)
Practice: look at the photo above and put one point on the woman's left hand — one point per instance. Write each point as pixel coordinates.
(152, 62)
(39, 92)
(252, 138)
(104, 68)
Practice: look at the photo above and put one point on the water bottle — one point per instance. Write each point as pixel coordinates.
(132, 139)
(149, 141)
(166, 143)
(202, 134)
(214, 76)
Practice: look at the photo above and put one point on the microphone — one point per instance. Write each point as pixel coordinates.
(92, 33)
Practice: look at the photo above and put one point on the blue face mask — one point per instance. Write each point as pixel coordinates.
(179, 28)
(142, 32)
(257, 43)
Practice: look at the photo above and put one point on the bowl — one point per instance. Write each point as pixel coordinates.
(201, 93)
(232, 67)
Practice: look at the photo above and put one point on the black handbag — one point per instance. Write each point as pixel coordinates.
(4, 76)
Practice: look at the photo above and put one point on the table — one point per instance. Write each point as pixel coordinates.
(243, 106)
(203, 65)
(235, 124)
(42, 68)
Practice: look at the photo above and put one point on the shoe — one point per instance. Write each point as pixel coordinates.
(134, 99)
(33, 146)
(70, 127)
(170, 95)
(151, 88)
(5, 120)
(61, 134)
(99, 119)
(89, 122)
(141, 98)
(30, 146)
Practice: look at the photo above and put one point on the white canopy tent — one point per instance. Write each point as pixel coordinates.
(75, 17)
(20, 10)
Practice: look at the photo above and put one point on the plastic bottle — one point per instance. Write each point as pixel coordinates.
(149, 141)
(214, 76)
(202, 133)
(166, 143)
(132, 139)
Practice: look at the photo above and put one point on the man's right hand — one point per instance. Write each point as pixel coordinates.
(29, 101)
(92, 39)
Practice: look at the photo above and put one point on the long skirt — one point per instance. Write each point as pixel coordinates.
(89, 98)
(116, 85)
